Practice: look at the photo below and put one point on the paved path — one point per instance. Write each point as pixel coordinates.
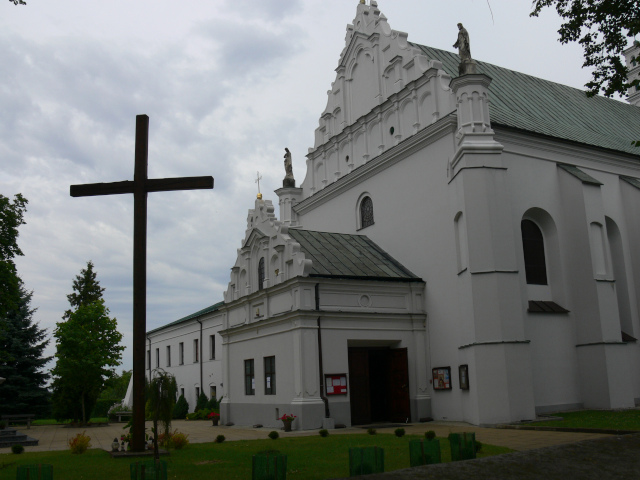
(54, 437)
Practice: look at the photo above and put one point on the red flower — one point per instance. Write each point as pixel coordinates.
(213, 415)
(287, 418)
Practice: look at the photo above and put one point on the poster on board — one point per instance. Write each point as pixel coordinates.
(442, 378)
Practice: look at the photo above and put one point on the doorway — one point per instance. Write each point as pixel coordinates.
(378, 385)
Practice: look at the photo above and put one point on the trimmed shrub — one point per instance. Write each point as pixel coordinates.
(324, 433)
(80, 443)
(430, 435)
(201, 403)
(17, 449)
(181, 408)
(213, 404)
(372, 431)
(273, 435)
(399, 432)
(220, 439)
(478, 446)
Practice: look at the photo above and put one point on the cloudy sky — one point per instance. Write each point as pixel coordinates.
(227, 85)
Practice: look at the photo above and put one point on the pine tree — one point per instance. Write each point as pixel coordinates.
(22, 364)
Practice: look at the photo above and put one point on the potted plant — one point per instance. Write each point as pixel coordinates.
(215, 418)
(287, 420)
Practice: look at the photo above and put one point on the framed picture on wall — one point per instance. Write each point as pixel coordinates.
(441, 378)
(463, 375)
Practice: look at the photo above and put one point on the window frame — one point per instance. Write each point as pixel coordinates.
(364, 202)
(181, 353)
(249, 377)
(212, 347)
(270, 373)
(196, 351)
(168, 362)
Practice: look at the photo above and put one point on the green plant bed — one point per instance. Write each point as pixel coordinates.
(602, 419)
(51, 421)
(311, 457)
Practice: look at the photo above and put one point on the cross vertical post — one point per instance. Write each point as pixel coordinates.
(140, 186)
(139, 278)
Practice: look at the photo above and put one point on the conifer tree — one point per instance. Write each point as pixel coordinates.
(23, 342)
(86, 289)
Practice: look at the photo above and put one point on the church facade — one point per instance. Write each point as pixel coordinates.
(463, 247)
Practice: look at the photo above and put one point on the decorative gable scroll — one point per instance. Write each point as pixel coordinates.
(266, 239)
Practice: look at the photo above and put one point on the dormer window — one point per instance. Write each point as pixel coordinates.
(261, 274)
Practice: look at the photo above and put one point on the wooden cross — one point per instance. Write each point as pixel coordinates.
(140, 186)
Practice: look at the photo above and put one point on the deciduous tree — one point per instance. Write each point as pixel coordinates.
(88, 351)
(604, 29)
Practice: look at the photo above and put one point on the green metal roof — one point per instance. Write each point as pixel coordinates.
(197, 314)
(536, 105)
(579, 174)
(349, 256)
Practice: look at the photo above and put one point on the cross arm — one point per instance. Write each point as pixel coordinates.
(179, 183)
(93, 189)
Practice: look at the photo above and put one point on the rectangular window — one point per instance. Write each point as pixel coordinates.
(249, 378)
(181, 353)
(157, 358)
(168, 355)
(212, 347)
(269, 375)
(212, 391)
(195, 351)
(197, 393)
(182, 392)
(148, 359)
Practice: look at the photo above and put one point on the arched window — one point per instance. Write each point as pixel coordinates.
(366, 212)
(261, 274)
(534, 258)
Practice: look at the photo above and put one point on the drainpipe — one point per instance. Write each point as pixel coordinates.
(149, 357)
(322, 395)
(201, 359)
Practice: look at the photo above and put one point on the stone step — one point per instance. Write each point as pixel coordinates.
(7, 432)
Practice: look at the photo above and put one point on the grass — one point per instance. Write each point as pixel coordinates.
(51, 421)
(308, 458)
(614, 420)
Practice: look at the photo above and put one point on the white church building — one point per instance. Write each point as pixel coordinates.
(463, 247)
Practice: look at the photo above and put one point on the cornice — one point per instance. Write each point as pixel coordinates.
(434, 132)
(548, 148)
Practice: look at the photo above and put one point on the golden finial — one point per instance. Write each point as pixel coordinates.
(259, 177)
(362, 2)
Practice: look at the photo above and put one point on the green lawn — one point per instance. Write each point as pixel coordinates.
(308, 458)
(620, 420)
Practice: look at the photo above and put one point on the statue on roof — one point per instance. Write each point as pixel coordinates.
(467, 65)
(289, 181)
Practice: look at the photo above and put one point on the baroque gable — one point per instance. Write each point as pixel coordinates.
(386, 89)
(268, 255)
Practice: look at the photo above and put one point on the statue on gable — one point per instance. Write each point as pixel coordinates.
(289, 181)
(467, 64)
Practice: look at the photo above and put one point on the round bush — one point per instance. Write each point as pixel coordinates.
(478, 446)
(220, 439)
(430, 435)
(399, 432)
(274, 435)
(372, 431)
(17, 449)
(324, 433)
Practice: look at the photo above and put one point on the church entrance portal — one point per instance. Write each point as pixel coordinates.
(379, 385)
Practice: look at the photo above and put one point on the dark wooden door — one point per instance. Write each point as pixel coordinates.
(359, 386)
(398, 383)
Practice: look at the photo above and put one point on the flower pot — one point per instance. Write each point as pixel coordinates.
(215, 421)
(287, 425)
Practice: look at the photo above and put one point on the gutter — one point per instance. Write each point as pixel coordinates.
(149, 357)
